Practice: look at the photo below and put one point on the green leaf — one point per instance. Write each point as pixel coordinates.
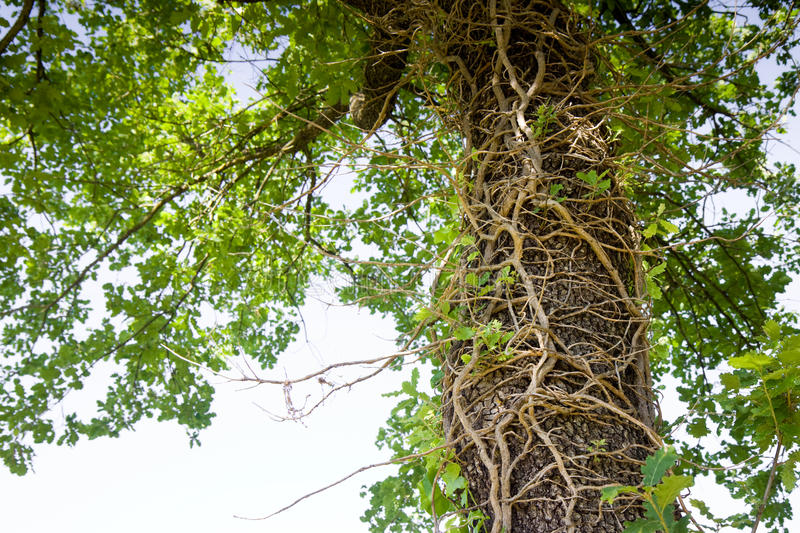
(446, 234)
(656, 465)
(669, 226)
(588, 177)
(772, 329)
(730, 381)
(453, 479)
(650, 230)
(751, 361)
(788, 477)
(790, 354)
(464, 333)
(670, 487)
(701, 506)
(698, 428)
(430, 496)
(653, 289)
(422, 314)
(658, 269)
(643, 525)
(609, 494)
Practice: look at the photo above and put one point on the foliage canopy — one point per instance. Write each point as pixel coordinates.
(141, 192)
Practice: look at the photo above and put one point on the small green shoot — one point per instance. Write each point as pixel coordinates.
(595, 181)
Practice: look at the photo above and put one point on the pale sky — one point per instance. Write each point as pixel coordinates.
(149, 479)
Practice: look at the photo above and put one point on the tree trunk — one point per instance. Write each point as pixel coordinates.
(549, 401)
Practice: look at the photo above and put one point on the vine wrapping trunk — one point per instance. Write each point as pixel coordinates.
(550, 400)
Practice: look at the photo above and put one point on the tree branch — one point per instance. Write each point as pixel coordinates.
(661, 65)
(326, 118)
(771, 480)
(17, 26)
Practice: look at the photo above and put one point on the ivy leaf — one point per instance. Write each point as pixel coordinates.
(430, 495)
(453, 479)
(643, 525)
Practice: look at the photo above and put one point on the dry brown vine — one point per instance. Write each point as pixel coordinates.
(562, 408)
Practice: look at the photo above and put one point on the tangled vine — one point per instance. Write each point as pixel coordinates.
(551, 393)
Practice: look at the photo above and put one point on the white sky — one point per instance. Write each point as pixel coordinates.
(249, 465)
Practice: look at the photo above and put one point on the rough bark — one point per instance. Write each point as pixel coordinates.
(546, 419)
(383, 68)
(561, 407)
